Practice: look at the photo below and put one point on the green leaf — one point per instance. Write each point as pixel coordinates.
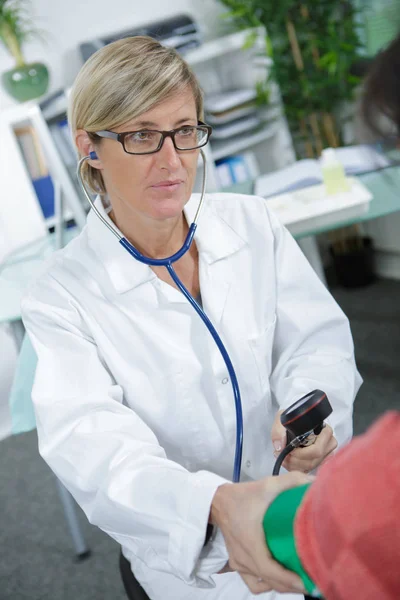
(329, 41)
(250, 40)
(269, 47)
(263, 90)
(15, 21)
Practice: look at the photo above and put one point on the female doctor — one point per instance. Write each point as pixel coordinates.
(134, 409)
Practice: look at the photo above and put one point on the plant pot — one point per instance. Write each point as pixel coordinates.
(355, 268)
(26, 82)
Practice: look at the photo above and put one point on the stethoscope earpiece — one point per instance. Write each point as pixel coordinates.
(93, 155)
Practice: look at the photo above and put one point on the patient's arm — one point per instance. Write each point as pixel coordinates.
(342, 533)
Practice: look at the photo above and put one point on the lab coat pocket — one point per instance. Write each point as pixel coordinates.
(261, 347)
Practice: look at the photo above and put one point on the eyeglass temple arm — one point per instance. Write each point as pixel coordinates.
(107, 134)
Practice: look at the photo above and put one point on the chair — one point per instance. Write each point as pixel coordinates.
(133, 589)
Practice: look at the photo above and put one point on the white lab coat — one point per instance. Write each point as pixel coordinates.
(135, 412)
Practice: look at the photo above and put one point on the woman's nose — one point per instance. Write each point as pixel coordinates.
(168, 154)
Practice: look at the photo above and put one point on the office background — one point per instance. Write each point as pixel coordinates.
(70, 23)
(37, 558)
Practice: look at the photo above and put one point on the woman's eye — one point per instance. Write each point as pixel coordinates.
(142, 136)
(187, 131)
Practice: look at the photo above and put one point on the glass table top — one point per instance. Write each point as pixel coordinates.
(384, 184)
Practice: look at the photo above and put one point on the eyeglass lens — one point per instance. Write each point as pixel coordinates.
(187, 138)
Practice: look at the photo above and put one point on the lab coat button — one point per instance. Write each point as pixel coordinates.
(225, 380)
(248, 464)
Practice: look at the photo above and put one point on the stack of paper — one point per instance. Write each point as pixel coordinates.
(232, 112)
(310, 209)
(303, 173)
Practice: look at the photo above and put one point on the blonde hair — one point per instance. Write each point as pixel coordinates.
(122, 81)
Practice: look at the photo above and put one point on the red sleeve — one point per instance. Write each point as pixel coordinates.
(348, 527)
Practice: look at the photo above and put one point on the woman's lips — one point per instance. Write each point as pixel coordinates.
(168, 185)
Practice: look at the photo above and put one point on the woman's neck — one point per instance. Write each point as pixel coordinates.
(153, 238)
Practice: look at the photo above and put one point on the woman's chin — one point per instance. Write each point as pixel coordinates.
(167, 208)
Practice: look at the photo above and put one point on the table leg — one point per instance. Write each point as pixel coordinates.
(81, 549)
(310, 250)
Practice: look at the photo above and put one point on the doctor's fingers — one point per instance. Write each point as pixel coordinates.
(258, 564)
(319, 448)
(296, 461)
(321, 441)
(274, 575)
(258, 585)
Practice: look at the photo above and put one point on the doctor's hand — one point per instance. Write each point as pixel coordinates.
(238, 510)
(303, 459)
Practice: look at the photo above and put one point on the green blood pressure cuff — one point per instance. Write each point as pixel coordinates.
(279, 533)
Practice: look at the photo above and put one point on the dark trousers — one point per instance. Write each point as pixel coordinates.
(133, 589)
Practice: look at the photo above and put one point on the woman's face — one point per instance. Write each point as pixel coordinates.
(156, 185)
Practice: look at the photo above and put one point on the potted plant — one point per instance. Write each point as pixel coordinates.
(26, 80)
(353, 256)
(314, 46)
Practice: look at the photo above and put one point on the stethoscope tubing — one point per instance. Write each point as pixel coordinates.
(168, 264)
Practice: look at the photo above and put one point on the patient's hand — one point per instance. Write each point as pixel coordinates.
(303, 459)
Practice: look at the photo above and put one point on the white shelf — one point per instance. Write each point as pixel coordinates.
(57, 109)
(51, 221)
(223, 45)
(227, 147)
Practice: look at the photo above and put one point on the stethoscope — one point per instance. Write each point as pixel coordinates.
(304, 419)
(168, 264)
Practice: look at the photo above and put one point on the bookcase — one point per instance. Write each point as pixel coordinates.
(26, 168)
(224, 68)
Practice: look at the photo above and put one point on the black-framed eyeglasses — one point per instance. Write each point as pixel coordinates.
(148, 141)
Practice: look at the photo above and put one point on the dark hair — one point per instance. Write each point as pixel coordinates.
(382, 88)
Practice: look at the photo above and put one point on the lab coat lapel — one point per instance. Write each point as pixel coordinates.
(216, 242)
(216, 287)
(124, 271)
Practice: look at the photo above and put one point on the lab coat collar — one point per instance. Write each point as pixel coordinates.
(215, 240)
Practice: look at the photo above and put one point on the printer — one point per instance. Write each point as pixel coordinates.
(179, 32)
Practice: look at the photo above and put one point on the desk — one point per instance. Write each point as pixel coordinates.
(384, 184)
(17, 272)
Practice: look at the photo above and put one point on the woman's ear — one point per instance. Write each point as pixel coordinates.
(86, 148)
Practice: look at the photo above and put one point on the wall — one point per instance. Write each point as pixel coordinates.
(70, 22)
